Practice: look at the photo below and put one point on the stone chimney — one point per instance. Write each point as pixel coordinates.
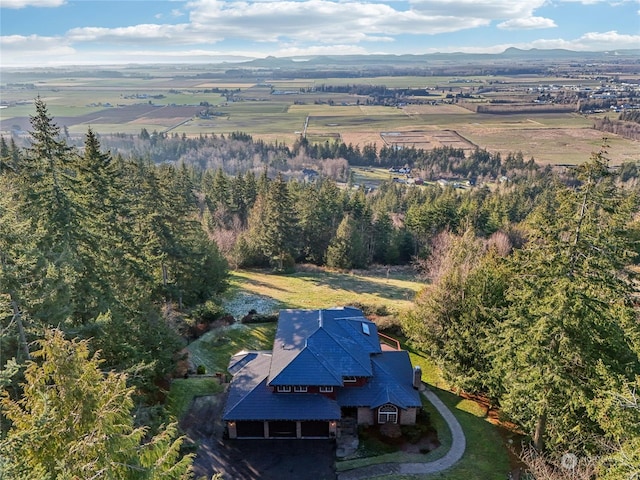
(417, 377)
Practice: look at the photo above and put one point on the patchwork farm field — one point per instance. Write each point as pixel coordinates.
(172, 100)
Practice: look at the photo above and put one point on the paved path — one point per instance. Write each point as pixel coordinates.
(458, 445)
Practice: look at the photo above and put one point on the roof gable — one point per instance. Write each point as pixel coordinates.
(392, 382)
(307, 369)
(251, 399)
(319, 347)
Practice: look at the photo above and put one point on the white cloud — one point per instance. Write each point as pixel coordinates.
(593, 41)
(33, 50)
(300, 28)
(31, 3)
(144, 33)
(527, 23)
(487, 9)
(594, 2)
(321, 21)
(611, 40)
(516, 14)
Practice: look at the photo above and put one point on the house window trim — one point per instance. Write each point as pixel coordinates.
(300, 389)
(283, 388)
(326, 389)
(388, 413)
(349, 379)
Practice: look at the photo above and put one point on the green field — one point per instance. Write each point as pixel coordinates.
(323, 289)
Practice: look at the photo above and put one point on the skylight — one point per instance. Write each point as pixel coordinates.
(365, 329)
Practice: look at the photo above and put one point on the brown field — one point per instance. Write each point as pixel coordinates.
(229, 85)
(141, 113)
(553, 145)
(426, 139)
(362, 138)
(443, 109)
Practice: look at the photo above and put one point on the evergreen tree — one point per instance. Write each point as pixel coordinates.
(74, 421)
(319, 211)
(453, 318)
(570, 321)
(347, 249)
(279, 237)
(47, 199)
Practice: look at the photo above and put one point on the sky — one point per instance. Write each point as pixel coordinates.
(112, 32)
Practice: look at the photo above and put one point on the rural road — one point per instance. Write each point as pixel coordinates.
(455, 453)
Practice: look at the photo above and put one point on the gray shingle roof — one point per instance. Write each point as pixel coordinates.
(322, 346)
(319, 347)
(392, 382)
(251, 399)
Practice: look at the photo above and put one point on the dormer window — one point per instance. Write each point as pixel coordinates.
(349, 379)
(300, 389)
(283, 388)
(326, 389)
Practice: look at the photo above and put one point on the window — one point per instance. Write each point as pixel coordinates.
(388, 414)
(349, 379)
(326, 389)
(365, 329)
(283, 388)
(300, 389)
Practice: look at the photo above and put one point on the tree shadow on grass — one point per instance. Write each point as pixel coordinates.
(357, 284)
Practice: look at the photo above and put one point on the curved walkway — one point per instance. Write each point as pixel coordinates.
(458, 445)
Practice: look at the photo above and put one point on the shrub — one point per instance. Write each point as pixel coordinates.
(259, 318)
(288, 265)
(201, 370)
(378, 310)
(207, 312)
(390, 324)
(413, 433)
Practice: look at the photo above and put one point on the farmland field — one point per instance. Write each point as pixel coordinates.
(170, 99)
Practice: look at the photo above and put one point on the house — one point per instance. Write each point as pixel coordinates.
(326, 367)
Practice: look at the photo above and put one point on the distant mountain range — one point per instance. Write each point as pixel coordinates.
(509, 55)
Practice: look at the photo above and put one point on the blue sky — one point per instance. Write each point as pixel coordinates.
(79, 32)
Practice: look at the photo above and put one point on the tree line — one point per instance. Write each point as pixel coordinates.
(98, 248)
(239, 152)
(547, 330)
(262, 221)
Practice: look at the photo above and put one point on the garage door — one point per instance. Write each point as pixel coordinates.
(250, 429)
(282, 429)
(315, 429)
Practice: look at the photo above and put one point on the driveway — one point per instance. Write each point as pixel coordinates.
(295, 459)
(252, 459)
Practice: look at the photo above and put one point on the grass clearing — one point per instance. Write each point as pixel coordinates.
(183, 391)
(215, 348)
(323, 289)
(485, 456)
